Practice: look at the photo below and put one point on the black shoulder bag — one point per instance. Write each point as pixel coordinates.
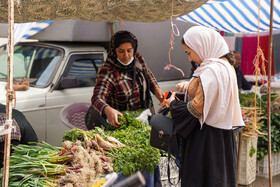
(164, 137)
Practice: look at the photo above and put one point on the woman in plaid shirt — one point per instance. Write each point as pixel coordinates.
(124, 83)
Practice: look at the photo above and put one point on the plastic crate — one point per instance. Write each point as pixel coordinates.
(262, 165)
(174, 172)
(247, 164)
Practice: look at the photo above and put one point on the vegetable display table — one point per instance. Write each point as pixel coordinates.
(152, 178)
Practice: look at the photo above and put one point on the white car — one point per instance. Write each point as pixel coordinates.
(60, 74)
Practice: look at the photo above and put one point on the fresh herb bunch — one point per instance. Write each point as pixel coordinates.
(139, 154)
(76, 134)
(135, 134)
(127, 119)
(31, 165)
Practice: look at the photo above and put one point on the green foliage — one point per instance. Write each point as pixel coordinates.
(127, 119)
(122, 120)
(247, 100)
(275, 136)
(140, 154)
(29, 164)
(73, 135)
(135, 134)
(76, 134)
(252, 151)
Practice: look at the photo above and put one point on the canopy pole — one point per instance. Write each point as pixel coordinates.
(269, 92)
(9, 96)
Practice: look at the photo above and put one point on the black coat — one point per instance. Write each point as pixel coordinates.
(209, 155)
(27, 132)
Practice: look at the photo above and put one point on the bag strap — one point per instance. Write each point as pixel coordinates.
(164, 111)
(180, 157)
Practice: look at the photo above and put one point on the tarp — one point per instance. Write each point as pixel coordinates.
(97, 10)
(25, 30)
(235, 16)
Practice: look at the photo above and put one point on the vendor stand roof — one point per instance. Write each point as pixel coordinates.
(97, 10)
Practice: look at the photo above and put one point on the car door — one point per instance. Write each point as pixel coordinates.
(83, 68)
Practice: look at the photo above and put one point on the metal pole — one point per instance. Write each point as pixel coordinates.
(9, 96)
(269, 92)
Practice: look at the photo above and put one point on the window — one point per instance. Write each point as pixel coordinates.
(34, 63)
(84, 68)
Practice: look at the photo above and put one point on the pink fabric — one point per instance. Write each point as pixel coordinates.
(264, 43)
(249, 51)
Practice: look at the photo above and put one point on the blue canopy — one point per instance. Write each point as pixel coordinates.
(235, 16)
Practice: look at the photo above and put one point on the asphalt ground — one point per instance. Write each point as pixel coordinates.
(263, 182)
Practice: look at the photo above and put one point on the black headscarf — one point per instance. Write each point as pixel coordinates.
(118, 39)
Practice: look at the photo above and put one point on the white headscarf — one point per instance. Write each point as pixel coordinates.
(206, 42)
(221, 107)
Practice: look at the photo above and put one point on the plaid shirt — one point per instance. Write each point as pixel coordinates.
(114, 88)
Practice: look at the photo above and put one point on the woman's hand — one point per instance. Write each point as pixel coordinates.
(170, 99)
(182, 87)
(112, 116)
(159, 94)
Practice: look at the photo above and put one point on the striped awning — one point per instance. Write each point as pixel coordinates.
(235, 16)
(25, 30)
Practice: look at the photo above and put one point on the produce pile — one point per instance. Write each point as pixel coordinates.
(252, 124)
(247, 101)
(132, 150)
(46, 165)
(275, 127)
(86, 156)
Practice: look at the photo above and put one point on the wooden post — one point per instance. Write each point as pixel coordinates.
(9, 96)
(112, 28)
(269, 92)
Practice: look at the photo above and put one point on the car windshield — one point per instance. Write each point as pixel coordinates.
(33, 63)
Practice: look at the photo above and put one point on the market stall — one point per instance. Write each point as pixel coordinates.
(87, 156)
(113, 7)
(26, 11)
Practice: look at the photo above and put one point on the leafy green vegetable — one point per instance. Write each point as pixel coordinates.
(77, 134)
(252, 151)
(135, 134)
(140, 155)
(275, 136)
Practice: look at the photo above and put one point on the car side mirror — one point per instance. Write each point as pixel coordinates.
(69, 82)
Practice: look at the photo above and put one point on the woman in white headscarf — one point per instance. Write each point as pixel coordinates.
(211, 111)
